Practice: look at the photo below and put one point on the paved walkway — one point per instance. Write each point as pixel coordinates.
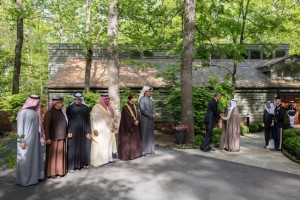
(174, 175)
(252, 153)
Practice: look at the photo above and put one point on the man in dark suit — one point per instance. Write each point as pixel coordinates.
(211, 117)
(278, 123)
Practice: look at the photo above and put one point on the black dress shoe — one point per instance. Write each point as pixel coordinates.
(212, 149)
(205, 150)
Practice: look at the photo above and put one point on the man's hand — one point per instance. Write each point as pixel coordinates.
(88, 136)
(113, 129)
(96, 133)
(23, 145)
(70, 135)
(136, 123)
(48, 141)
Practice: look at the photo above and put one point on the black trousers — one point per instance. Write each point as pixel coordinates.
(207, 139)
(268, 134)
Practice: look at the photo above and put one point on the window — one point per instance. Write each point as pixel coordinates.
(148, 54)
(255, 54)
(135, 54)
(267, 55)
(279, 54)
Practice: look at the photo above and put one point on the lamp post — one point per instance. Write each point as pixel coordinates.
(248, 119)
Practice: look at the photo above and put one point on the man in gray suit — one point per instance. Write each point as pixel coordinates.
(211, 117)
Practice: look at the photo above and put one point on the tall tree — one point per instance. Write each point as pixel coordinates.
(186, 67)
(113, 63)
(18, 48)
(88, 48)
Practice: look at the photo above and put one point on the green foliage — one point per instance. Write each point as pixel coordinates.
(201, 97)
(11, 156)
(291, 142)
(198, 140)
(244, 129)
(253, 127)
(171, 74)
(216, 136)
(124, 96)
(12, 104)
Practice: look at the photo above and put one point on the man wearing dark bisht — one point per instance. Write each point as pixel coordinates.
(55, 122)
(147, 110)
(267, 119)
(30, 164)
(211, 116)
(79, 134)
(130, 141)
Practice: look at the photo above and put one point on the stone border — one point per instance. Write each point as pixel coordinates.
(289, 156)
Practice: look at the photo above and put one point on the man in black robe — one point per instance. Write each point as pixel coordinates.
(79, 134)
(267, 119)
(130, 141)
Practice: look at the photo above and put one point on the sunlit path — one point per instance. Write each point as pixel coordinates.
(168, 174)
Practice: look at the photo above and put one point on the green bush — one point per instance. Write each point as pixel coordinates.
(291, 142)
(201, 97)
(260, 126)
(198, 140)
(244, 129)
(216, 136)
(13, 104)
(254, 127)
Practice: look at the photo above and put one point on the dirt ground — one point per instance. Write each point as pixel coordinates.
(164, 140)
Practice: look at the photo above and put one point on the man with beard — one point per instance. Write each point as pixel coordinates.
(79, 134)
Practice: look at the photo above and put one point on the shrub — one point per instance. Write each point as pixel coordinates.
(13, 104)
(291, 142)
(201, 97)
(216, 137)
(198, 140)
(244, 129)
(254, 127)
(260, 126)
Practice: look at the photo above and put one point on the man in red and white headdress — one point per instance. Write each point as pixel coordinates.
(103, 132)
(30, 165)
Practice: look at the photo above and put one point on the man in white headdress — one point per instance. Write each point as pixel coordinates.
(147, 110)
(230, 139)
(267, 118)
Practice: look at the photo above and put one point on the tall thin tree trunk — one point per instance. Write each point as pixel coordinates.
(113, 63)
(18, 50)
(186, 67)
(89, 48)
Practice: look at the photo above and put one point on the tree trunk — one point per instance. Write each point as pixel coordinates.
(89, 48)
(186, 67)
(113, 63)
(88, 66)
(18, 50)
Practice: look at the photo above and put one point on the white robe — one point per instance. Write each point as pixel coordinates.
(30, 163)
(103, 145)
